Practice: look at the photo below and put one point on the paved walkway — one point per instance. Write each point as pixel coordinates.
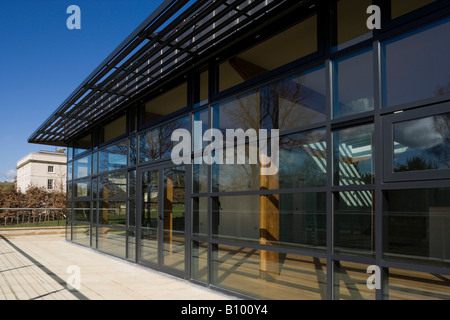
(34, 267)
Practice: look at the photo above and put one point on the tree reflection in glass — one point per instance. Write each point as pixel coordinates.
(240, 113)
(295, 102)
(156, 143)
(303, 160)
(286, 104)
(114, 157)
(290, 103)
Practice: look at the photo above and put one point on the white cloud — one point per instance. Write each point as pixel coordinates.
(419, 134)
(8, 175)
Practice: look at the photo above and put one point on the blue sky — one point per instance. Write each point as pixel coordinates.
(42, 62)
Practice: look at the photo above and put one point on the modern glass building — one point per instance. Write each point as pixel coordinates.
(363, 177)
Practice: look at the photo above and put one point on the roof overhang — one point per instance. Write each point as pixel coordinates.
(172, 40)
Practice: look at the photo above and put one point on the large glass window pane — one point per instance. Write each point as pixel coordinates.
(95, 212)
(354, 222)
(81, 234)
(290, 103)
(413, 285)
(95, 188)
(157, 144)
(200, 125)
(272, 275)
(113, 129)
(149, 146)
(239, 177)
(350, 281)
(69, 171)
(302, 219)
(82, 211)
(296, 101)
(174, 217)
(200, 178)
(416, 65)
(148, 249)
(69, 190)
(284, 105)
(236, 218)
(131, 244)
(199, 268)
(114, 157)
(82, 188)
(112, 212)
(203, 90)
(132, 183)
(113, 185)
(82, 167)
(69, 213)
(70, 153)
(199, 168)
(169, 102)
(82, 145)
(94, 163)
(351, 23)
(353, 86)
(353, 156)
(422, 144)
(133, 151)
(303, 160)
(200, 217)
(133, 119)
(417, 225)
(242, 112)
(112, 241)
(166, 130)
(131, 213)
(287, 219)
(401, 7)
(287, 46)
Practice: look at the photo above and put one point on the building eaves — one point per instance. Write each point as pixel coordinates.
(168, 42)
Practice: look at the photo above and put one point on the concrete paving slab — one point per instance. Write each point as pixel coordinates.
(37, 267)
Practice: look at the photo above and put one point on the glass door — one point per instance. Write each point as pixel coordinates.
(162, 218)
(149, 215)
(173, 218)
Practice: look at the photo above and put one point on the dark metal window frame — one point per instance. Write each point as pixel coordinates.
(388, 141)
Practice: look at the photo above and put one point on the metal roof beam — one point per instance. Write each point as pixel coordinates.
(172, 47)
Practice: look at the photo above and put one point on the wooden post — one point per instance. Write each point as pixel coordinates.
(269, 222)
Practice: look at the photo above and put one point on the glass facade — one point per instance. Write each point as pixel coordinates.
(362, 177)
(350, 24)
(354, 88)
(289, 45)
(422, 144)
(416, 223)
(425, 49)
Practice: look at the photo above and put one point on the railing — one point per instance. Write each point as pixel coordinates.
(31, 216)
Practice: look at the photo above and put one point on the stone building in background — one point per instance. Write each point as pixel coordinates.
(42, 169)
